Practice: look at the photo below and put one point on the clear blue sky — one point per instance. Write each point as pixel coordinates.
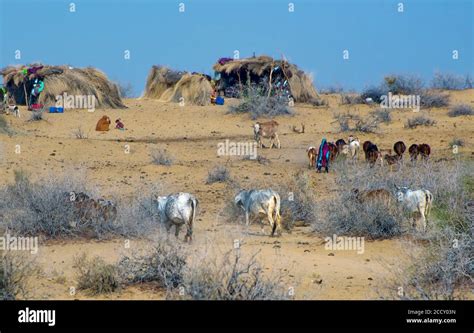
(380, 40)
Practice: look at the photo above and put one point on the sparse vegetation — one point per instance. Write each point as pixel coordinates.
(15, 270)
(80, 134)
(420, 120)
(449, 81)
(161, 157)
(456, 142)
(257, 104)
(354, 123)
(4, 128)
(219, 174)
(95, 276)
(434, 99)
(125, 90)
(461, 110)
(351, 99)
(382, 115)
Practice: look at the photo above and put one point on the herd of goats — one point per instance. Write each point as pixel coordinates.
(180, 209)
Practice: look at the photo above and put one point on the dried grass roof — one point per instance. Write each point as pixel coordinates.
(64, 79)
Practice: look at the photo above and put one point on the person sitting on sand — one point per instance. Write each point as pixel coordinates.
(323, 156)
(119, 125)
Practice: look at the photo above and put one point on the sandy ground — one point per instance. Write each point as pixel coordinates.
(118, 164)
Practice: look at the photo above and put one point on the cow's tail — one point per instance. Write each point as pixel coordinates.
(277, 216)
(194, 204)
(429, 202)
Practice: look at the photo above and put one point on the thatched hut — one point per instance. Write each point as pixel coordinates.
(176, 86)
(61, 80)
(264, 70)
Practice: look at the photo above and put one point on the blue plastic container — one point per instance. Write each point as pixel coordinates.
(54, 109)
(220, 100)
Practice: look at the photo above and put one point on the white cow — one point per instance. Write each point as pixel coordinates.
(258, 202)
(178, 209)
(354, 146)
(416, 202)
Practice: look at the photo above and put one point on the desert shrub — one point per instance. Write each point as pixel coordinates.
(403, 84)
(36, 116)
(298, 202)
(461, 110)
(374, 92)
(95, 276)
(337, 89)
(444, 264)
(161, 157)
(317, 102)
(232, 278)
(218, 174)
(449, 81)
(434, 99)
(257, 103)
(354, 123)
(345, 214)
(15, 270)
(79, 133)
(420, 120)
(44, 208)
(382, 115)
(456, 142)
(163, 265)
(351, 99)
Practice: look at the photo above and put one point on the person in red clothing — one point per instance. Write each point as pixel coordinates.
(119, 125)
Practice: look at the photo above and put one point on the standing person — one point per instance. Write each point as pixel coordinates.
(38, 87)
(323, 156)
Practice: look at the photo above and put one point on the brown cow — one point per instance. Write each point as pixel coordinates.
(365, 147)
(413, 151)
(399, 148)
(103, 124)
(333, 152)
(266, 130)
(312, 154)
(424, 150)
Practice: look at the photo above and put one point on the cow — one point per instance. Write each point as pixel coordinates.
(413, 151)
(416, 202)
(381, 195)
(399, 148)
(312, 154)
(258, 202)
(424, 150)
(266, 130)
(178, 209)
(365, 147)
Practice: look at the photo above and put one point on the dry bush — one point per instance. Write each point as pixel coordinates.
(163, 265)
(456, 142)
(449, 81)
(461, 110)
(15, 270)
(258, 104)
(79, 133)
(354, 123)
(434, 99)
(232, 278)
(161, 157)
(95, 276)
(347, 99)
(44, 208)
(218, 174)
(420, 120)
(4, 128)
(36, 116)
(382, 115)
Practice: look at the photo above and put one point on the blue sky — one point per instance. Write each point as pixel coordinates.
(380, 40)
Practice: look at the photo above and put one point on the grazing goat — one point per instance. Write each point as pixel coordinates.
(178, 209)
(424, 150)
(413, 151)
(372, 154)
(333, 152)
(266, 130)
(381, 195)
(354, 145)
(258, 202)
(417, 202)
(312, 154)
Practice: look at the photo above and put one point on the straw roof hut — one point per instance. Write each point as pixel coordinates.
(245, 71)
(176, 86)
(59, 80)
